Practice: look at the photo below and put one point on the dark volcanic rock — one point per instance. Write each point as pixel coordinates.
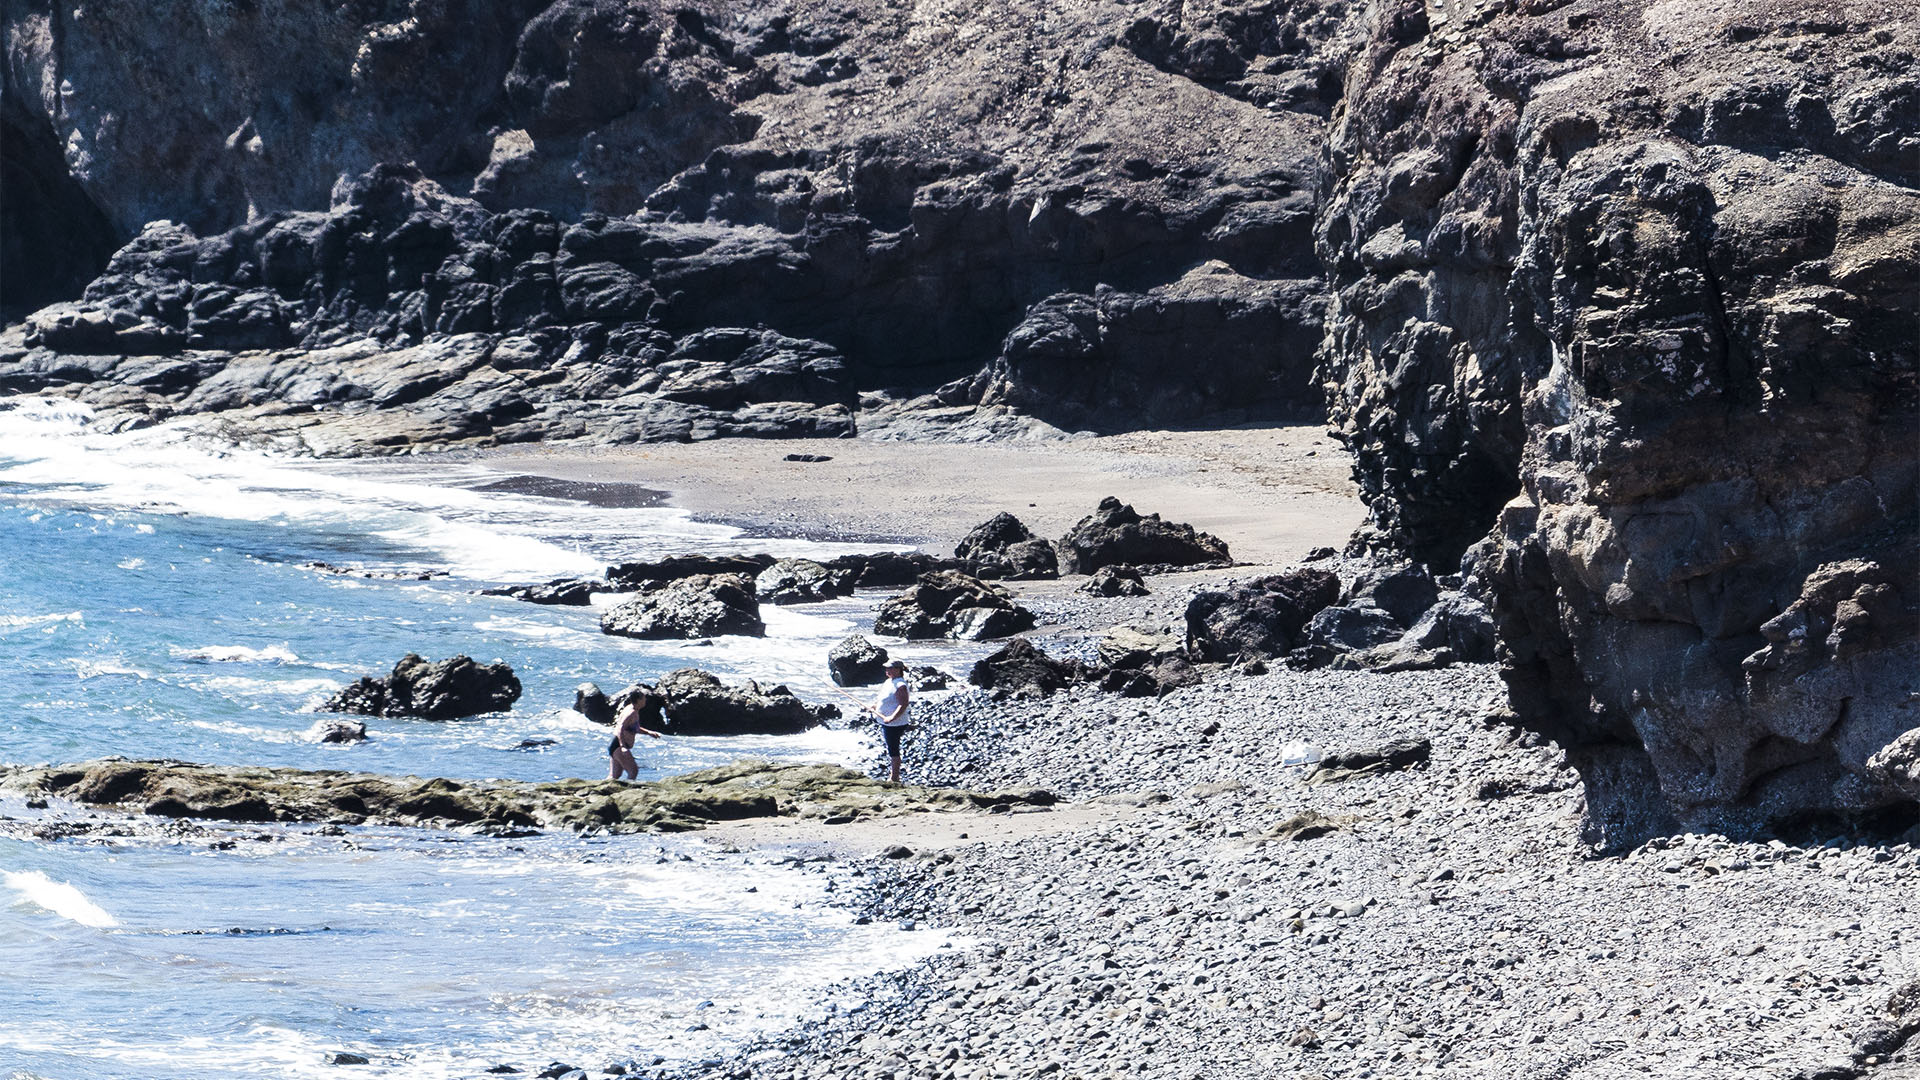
(591, 702)
(1404, 592)
(1002, 547)
(445, 690)
(1635, 304)
(641, 576)
(1115, 581)
(700, 704)
(800, 581)
(1345, 628)
(947, 603)
(856, 661)
(889, 569)
(1114, 534)
(1022, 671)
(1372, 761)
(691, 607)
(571, 592)
(1261, 619)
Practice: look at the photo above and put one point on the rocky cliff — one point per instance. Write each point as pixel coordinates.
(1630, 291)
(1614, 298)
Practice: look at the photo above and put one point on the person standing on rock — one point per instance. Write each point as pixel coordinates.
(891, 709)
(620, 750)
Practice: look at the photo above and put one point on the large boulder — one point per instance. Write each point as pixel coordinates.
(1021, 670)
(1404, 591)
(1002, 547)
(1898, 763)
(888, 569)
(947, 603)
(592, 702)
(692, 607)
(1341, 629)
(1455, 630)
(855, 661)
(1139, 646)
(800, 581)
(644, 576)
(445, 690)
(1114, 533)
(1260, 619)
(698, 703)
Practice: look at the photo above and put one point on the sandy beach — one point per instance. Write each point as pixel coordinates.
(1273, 492)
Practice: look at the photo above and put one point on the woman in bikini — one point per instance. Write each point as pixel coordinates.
(620, 750)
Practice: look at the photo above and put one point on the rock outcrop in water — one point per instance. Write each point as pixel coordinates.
(443, 690)
(698, 703)
(1614, 298)
(703, 605)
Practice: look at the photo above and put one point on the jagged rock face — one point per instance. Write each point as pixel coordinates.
(855, 661)
(595, 182)
(1021, 670)
(1623, 284)
(1260, 619)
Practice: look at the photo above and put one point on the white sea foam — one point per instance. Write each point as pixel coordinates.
(228, 654)
(58, 897)
(16, 622)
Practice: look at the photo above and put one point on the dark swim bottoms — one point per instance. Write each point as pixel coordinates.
(893, 733)
(614, 746)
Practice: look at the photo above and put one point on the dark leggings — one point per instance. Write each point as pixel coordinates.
(893, 734)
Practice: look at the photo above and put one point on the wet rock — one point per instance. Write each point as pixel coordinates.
(947, 603)
(646, 576)
(445, 690)
(690, 607)
(1371, 761)
(334, 729)
(698, 703)
(855, 661)
(1115, 534)
(342, 1057)
(924, 677)
(1002, 547)
(1118, 580)
(1261, 619)
(569, 592)
(800, 581)
(1021, 670)
(591, 702)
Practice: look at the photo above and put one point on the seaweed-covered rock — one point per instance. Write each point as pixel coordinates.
(947, 603)
(855, 661)
(1117, 580)
(1021, 670)
(691, 607)
(800, 581)
(1114, 534)
(445, 690)
(698, 703)
(1261, 619)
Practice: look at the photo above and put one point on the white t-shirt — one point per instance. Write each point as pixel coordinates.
(890, 697)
